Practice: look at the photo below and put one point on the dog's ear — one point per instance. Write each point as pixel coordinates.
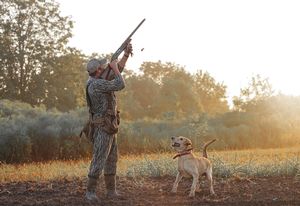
(188, 142)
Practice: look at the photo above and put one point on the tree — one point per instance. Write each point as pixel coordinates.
(167, 90)
(65, 85)
(178, 95)
(157, 70)
(138, 99)
(174, 85)
(32, 35)
(254, 97)
(210, 93)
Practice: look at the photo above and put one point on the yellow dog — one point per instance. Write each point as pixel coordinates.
(190, 165)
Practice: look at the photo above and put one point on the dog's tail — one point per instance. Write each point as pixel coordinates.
(205, 146)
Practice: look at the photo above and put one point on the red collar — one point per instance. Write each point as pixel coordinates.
(189, 151)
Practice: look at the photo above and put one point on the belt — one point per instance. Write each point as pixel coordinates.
(98, 121)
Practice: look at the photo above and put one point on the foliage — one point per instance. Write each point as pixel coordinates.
(42, 106)
(168, 91)
(254, 95)
(35, 134)
(33, 38)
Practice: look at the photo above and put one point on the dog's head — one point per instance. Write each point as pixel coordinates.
(181, 144)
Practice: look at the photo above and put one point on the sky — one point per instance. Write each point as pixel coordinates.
(232, 40)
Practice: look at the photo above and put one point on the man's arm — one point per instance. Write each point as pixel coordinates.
(121, 63)
(117, 84)
(127, 52)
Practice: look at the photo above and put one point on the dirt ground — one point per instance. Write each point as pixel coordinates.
(156, 191)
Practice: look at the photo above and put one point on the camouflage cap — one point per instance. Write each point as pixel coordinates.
(93, 64)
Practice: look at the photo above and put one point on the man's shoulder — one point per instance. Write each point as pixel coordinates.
(94, 84)
(90, 83)
(93, 81)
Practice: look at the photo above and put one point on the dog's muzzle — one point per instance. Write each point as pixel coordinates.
(175, 144)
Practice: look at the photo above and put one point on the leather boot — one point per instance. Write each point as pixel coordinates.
(110, 183)
(91, 190)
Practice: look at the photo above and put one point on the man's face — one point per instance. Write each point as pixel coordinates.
(99, 70)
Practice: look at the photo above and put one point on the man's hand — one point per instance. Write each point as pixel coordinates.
(114, 64)
(128, 49)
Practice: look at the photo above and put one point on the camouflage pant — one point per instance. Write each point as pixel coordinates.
(105, 154)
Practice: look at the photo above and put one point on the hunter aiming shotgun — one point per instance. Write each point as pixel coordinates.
(104, 118)
(87, 127)
(123, 47)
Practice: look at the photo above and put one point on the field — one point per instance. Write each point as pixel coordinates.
(248, 177)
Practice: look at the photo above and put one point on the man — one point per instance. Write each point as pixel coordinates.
(101, 99)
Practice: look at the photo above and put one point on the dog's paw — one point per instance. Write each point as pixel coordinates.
(192, 195)
(173, 191)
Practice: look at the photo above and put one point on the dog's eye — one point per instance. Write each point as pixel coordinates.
(181, 138)
(172, 138)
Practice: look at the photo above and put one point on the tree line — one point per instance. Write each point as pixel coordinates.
(38, 68)
(43, 81)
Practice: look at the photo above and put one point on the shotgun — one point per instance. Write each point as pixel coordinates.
(123, 46)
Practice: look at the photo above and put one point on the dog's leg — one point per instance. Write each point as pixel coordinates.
(210, 181)
(178, 178)
(198, 187)
(194, 184)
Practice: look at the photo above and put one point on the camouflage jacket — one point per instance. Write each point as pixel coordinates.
(99, 89)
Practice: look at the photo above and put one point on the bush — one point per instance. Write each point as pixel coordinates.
(36, 134)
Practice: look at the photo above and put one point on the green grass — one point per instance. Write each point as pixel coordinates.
(243, 163)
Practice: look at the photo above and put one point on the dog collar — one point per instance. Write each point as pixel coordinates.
(183, 153)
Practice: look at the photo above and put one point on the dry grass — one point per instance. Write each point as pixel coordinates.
(267, 162)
